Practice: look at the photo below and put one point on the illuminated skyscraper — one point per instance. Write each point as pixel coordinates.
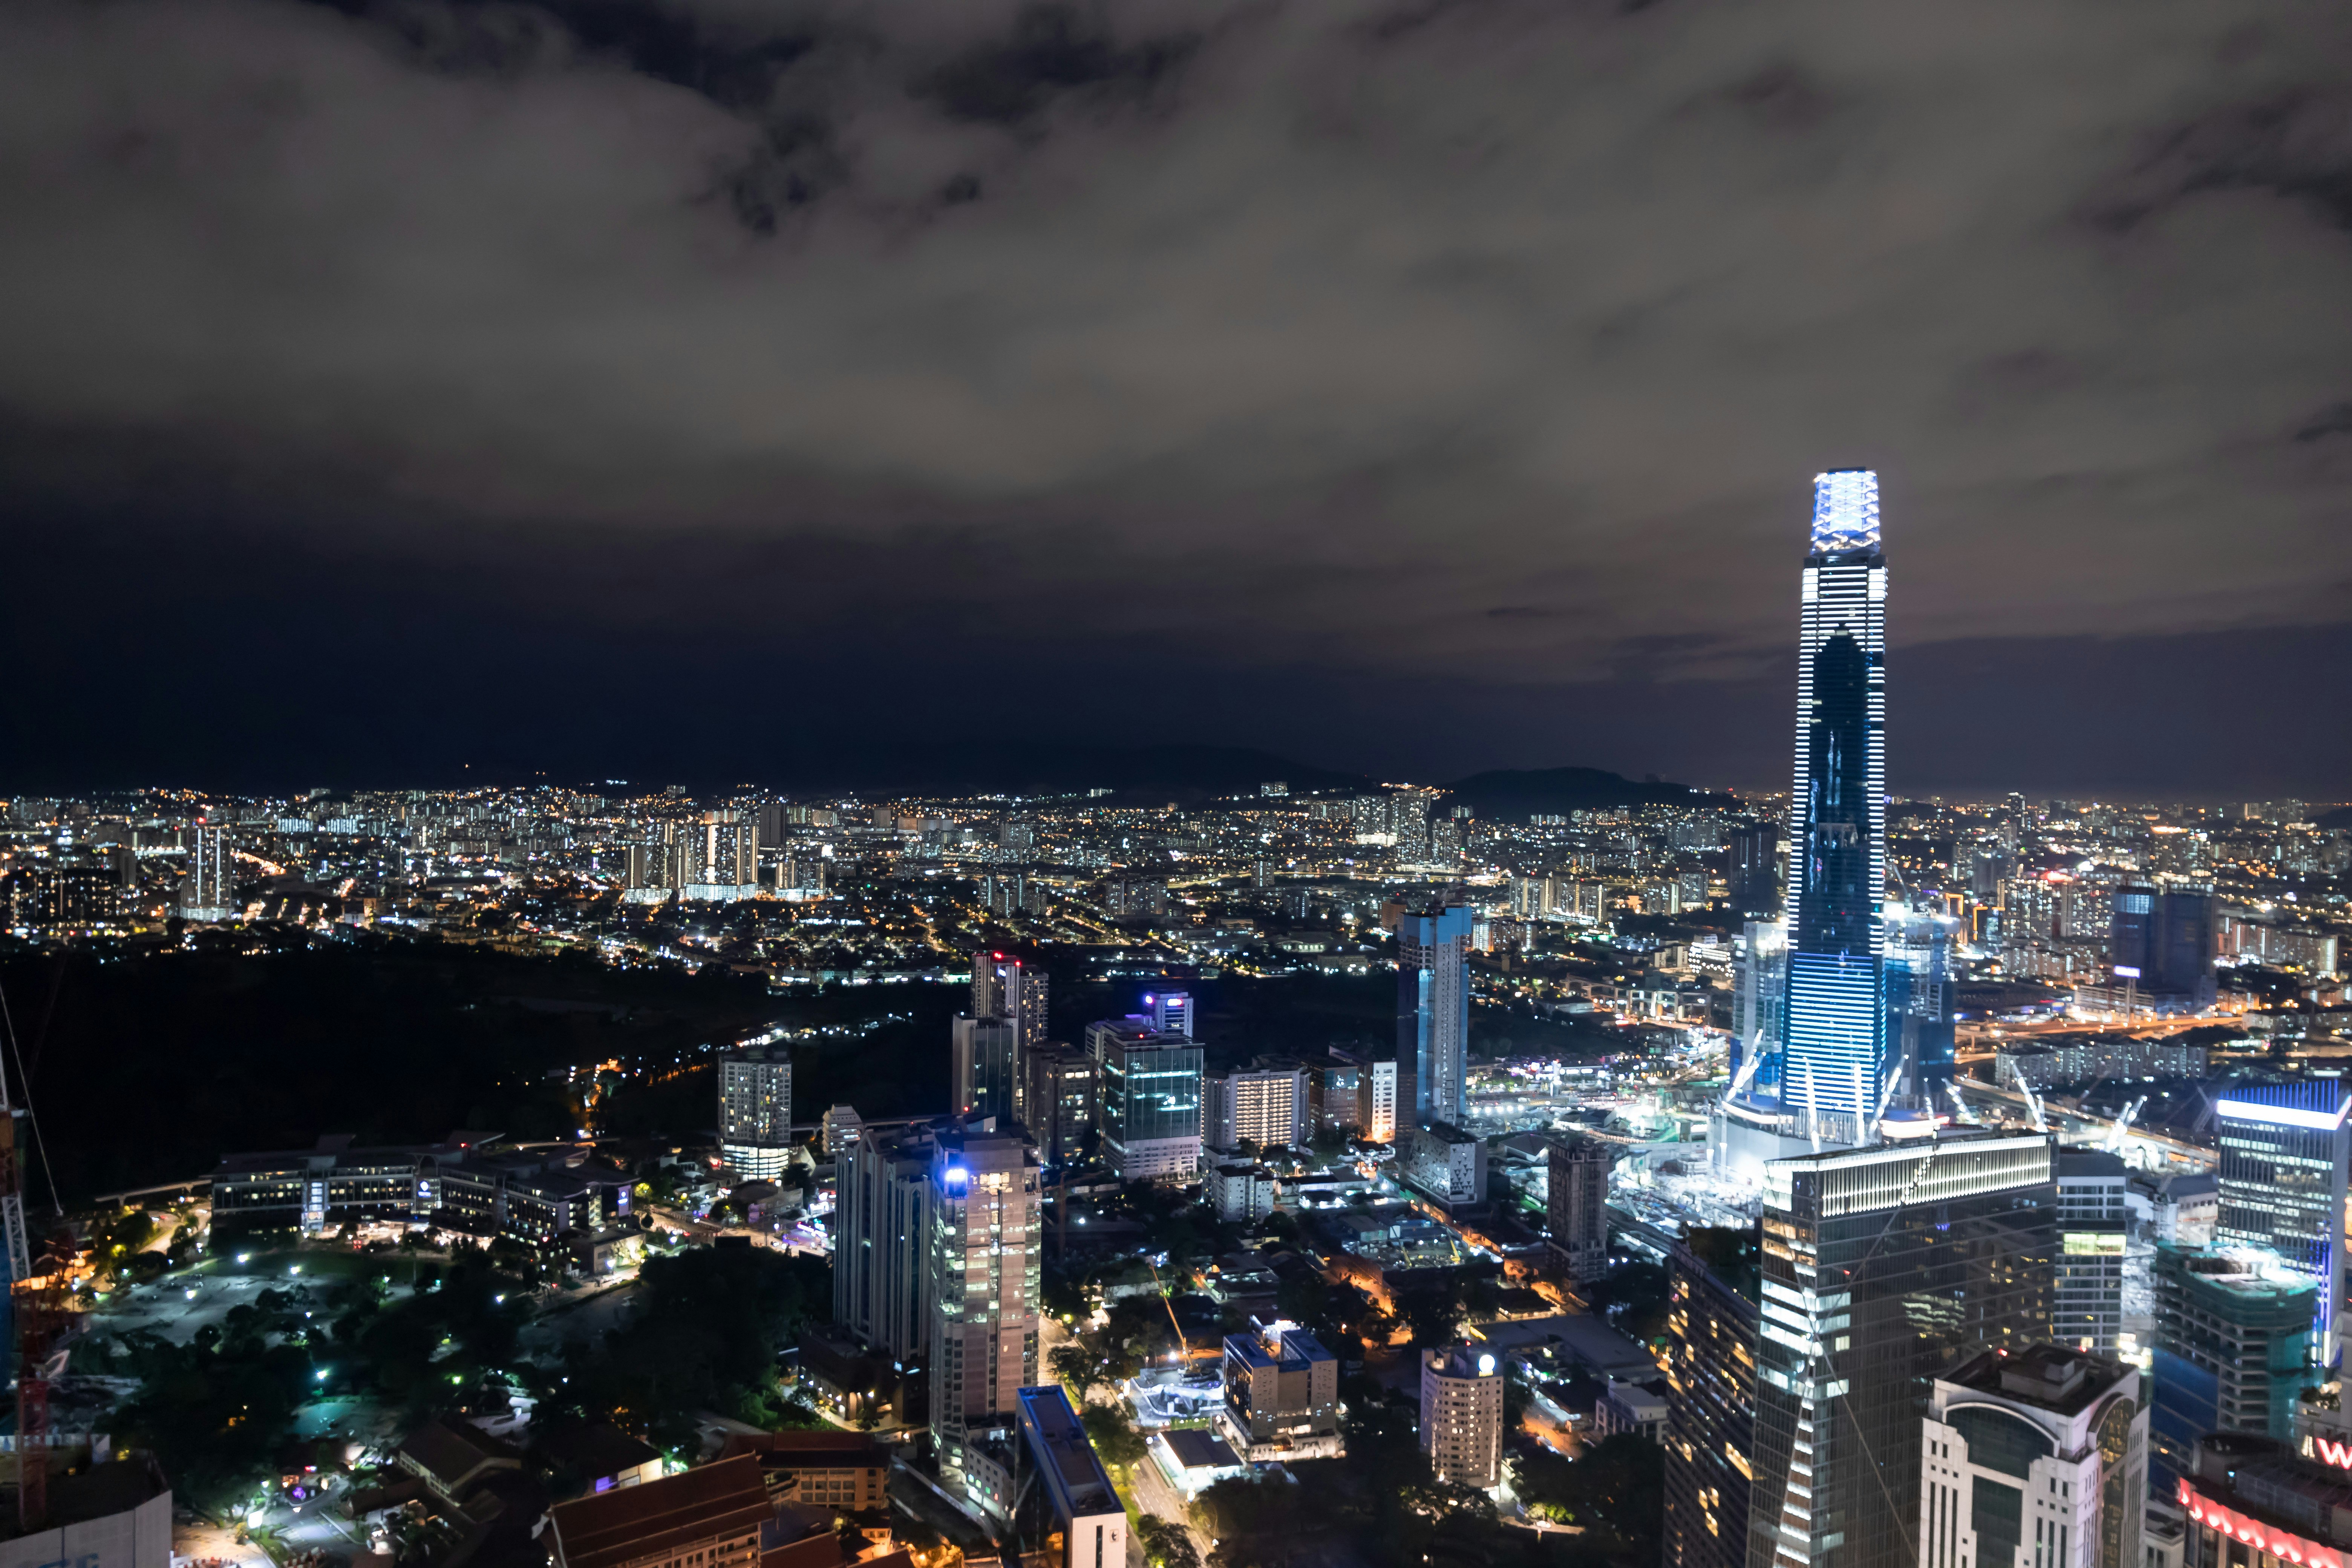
(983, 1280)
(1434, 1014)
(1835, 1040)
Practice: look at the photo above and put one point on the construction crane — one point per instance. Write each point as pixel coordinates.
(1961, 1105)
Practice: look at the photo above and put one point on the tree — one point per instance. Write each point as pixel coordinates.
(1077, 1367)
(1166, 1545)
(1116, 1440)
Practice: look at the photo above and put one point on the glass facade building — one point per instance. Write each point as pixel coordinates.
(1150, 1087)
(1434, 1013)
(1883, 1267)
(2285, 1149)
(1835, 1041)
(1712, 1281)
(2232, 1354)
(1920, 1034)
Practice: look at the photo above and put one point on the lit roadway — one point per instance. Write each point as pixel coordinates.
(1979, 1041)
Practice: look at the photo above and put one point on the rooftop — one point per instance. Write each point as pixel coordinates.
(720, 1499)
(2047, 1377)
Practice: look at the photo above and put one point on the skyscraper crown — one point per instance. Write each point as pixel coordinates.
(1846, 510)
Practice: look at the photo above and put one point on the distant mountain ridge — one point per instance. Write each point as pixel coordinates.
(1190, 773)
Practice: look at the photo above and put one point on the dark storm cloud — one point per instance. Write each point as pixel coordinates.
(1489, 343)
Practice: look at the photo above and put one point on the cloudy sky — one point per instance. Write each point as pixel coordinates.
(730, 387)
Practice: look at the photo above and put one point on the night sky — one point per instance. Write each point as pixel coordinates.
(732, 389)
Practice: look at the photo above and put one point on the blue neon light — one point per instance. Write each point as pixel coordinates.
(1845, 510)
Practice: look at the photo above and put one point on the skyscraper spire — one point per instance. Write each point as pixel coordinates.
(1836, 1036)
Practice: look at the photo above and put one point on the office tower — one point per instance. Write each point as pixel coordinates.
(2233, 1350)
(1760, 978)
(1060, 1104)
(1881, 1265)
(1171, 1011)
(1835, 1059)
(1150, 1088)
(1461, 1415)
(985, 1064)
(1004, 986)
(1434, 1013)
(2285, 1150)
(1577, 1206)
(983, 1282)
(755, 1111)
(209, 891)
(1920, 1031)
(2094, 1213)
(1264, 1106)
(2163, 942)
(881, 1243)
(1712, 1285)
(1752, 870)
(2044, 1448)
(1282, 1396)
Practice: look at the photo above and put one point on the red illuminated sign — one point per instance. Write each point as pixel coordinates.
(2280, 1544)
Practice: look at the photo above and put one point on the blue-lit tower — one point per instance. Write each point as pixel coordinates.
(1835, 1064)
(1434, 1014)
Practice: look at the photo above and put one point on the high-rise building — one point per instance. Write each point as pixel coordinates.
(1434, 1013)
(2233, 1350)
(1150, 1104)
(984, 1286)
(1005, 986)
(723, 856)
(2285, 1152)
(2046, 1447)
(1835, 1039)
(1060, 1106)
(1921, 1028)
(2094, 1215)
(1376, 1101)
(1577, 1203)
(1752, 870)
(1881, 1265)
(1331, 1097)
(1264, 1106)
(986, 1068)
(2163, 942)
(755, 1111)
(839, 1129)
(1171, 1011)
(1712, 1285)
(1461, 1415)
(1759, 977)
(209, 890)
(882, 1241)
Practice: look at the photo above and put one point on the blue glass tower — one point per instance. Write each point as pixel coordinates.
(1432, 1015)
(1835, 1055)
